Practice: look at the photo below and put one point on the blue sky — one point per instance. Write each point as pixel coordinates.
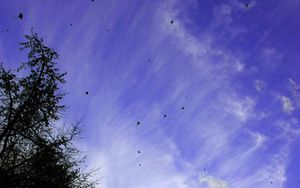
(235, 70)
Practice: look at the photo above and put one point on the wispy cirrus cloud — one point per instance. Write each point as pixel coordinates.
(259, 85)
(287, 104)
(213, 182)
(145, 67)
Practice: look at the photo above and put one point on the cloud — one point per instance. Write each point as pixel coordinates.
(222, 14)
(211, 130)
(240, 108)
(259, 139)
(119, 161)
(294, 84)
(187, 42)
(213, 182)
(203, 50)
(271, 55)
(259, 85)
(288, 129)
(295, 90)
(287, 104)
(230, 111)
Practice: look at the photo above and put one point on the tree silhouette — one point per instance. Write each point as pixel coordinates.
(33, 151)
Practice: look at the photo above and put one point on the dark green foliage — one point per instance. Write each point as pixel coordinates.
(34, 152)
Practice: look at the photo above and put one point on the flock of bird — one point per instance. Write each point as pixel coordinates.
(21, 17)
(165, 115)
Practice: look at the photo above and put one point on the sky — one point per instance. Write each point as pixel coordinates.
(225, 74)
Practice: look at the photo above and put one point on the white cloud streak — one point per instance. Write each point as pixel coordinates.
(211, 132)
(259, 85)
(213, 182)
(287, 104)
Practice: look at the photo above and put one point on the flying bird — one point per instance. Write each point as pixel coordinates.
(172, 21)
(246, 5)
(71, 24)
(140, 165)
(86, 92)
(137, 123)
(165, 115)
(20, 16)
(182, 108)
(139, 151)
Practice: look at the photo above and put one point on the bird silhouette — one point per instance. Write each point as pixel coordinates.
(165, 115)
(137, 123)
(140, 164)
(86, 92)
(20, 16)
(71, 24)
(246, 5)
(182, 108)
(139, 151)
(172, 21)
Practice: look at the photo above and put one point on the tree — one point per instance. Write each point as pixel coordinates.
(33, 151)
